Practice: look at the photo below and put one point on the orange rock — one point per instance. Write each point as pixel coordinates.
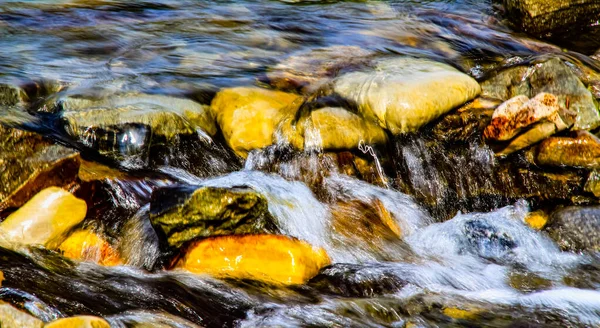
(85, 245)
(268, 258)
(82, 321)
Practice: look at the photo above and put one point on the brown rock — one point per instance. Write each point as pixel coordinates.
(580, 150)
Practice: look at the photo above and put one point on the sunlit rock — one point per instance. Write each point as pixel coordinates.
(552, 76)
(335, 128)
(536, 220)
(592, 185)
(86, 245)
(268, 258)
(404, 94)
(185, 213)
(79, 322)
(28, 164)
(11, 95)
(249, 116)
(307, 70)
(45, 219)
(461, 314)
(12, 317)
(581, 149)
(576, 228)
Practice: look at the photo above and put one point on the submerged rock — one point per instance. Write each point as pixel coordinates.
(309, 69)
(85, 245)
(249, 117)
(45, 219)
(552, 76)
(272, 259)
(79, 322)
(185, 213)
(11, 95)
(404, 94)
(335, 128)
(12, 317)
(582, 149)
(28, 164)
(576, 228)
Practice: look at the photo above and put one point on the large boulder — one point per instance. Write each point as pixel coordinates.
(404, 94)
(543, 16)
(552, 76)
(44, 220)
(249, 117)
(576, 228)
(184, 213)
(273, 259)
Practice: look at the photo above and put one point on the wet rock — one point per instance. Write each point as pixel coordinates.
(249, 117)
(403, 94)
(307, 70)
(28, 164)
(45, 219)
(184, 213)
(11, 317)
(581, 149)
(536, 220)
(544, 16)
(576, 228)
(335, 128)
(272, 259)
(468, 122)
(351, 280)
(11, 95)
(592, 185)
(86, 245)
(79, 322)
(552, 76)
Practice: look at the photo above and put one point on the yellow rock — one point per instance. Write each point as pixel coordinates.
(536, 220)
(335, 128)
(461, 314)
(268, 258)
(85, 245)
(83, 321)
(250, 116)
(11, 317)
(45, 219)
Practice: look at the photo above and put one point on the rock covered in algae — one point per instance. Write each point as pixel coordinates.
(404, 94)
(86, 245)
(268, 258)
(581, 149)
(334, 128)
(183, 213)
(84, 321)
(45, 219)
(249, 116)
(552, 76)
(28, 164)
(12, 317)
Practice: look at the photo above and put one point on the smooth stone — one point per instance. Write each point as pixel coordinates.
(576, 228)
(45, 219)
(404, 94)
(11, 317)
(537, 133)
(552, 76)
(249, 117)
(543, 16)
(79, 322)
(334, 128)
(181, 214)
(307, 70)
(28, 164)
(582, 149)
(273, 259)
(86, 245)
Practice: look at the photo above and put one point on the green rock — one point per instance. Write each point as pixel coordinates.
(11, 95)
(552, 76)
(404, 94)
(184, 213)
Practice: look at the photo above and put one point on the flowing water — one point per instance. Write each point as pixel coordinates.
(482, 268)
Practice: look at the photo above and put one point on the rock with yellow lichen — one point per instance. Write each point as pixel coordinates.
(249, 116)
(86, 245)
(45, 219)
(273, 259)
(536, 220)
(11, 317)
(83, 321)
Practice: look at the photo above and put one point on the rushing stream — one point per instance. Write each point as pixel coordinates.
(432, 233)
